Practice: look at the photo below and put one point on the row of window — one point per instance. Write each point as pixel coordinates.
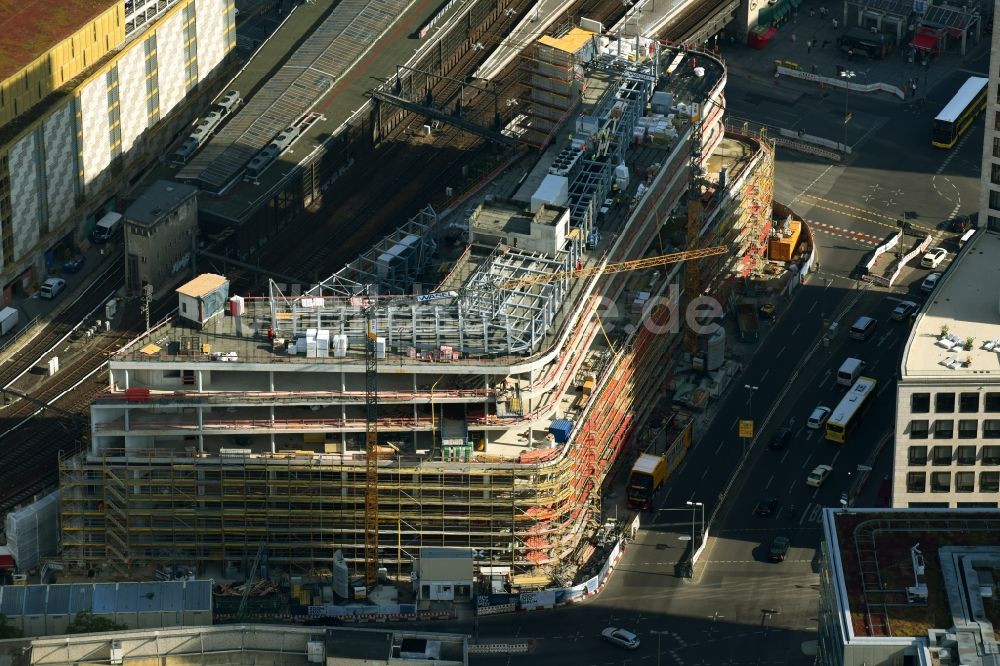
(946, 455)
(945, 429)
(944, 403)
(940, 482)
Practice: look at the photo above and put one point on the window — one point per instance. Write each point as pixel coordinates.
(944, 403)
(995, 174)
(940, 482)
(917, 455)
(991, 403)
(944, 429)
(992, 221)
(996, 146)
(968, 403)
(966, 455)
(994, 200)
(965, 482)
(996, 121)
(991, 429)
(968, 428)
(916, 482)
(919, 428)
(942, 455)
(989, 482)
(920, 403)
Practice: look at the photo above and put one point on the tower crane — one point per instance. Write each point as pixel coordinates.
(621, 267)
(692, 273)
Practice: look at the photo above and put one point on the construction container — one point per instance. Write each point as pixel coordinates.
(8, 320)
(560, 430)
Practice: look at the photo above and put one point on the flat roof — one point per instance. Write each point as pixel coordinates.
(202, 285)
(159, 198)
(512, 217)
(571, 42)
(29, 28)
(967, 301)
(876, 586)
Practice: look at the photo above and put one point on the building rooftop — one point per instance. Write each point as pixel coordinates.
(29, 28)
(571, 42)
(884, 559)
(967, 301)
(157, 200)
(202, 285)
(512, 218)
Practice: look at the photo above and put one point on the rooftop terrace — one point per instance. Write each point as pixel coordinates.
(875, 549)
(967, 301)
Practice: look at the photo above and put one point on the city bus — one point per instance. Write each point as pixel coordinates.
(957, 115)
(851, 409)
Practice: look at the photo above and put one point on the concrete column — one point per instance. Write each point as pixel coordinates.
(201, 380)
(201, 427)
(125, 378)
(270, 380)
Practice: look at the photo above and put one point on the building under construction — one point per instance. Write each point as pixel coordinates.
(505, 395)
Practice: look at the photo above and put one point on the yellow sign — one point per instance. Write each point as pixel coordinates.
(746, 428)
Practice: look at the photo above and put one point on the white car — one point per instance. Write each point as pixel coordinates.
(818, 417)
(930, 282)
(621, 638)
(818, 475)
(934, 257)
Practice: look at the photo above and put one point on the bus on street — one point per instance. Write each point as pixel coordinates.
(957, 115)
(851, 409)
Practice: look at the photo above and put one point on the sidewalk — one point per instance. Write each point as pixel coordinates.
(809, 41)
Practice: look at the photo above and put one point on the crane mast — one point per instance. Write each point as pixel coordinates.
(371, 443)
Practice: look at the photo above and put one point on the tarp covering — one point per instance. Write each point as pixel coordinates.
(925, 41)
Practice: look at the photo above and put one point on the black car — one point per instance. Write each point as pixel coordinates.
(766, 506)
(781, 439)
(74, 265)
(778, 549)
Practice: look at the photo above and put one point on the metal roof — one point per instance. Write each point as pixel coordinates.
(106, 598)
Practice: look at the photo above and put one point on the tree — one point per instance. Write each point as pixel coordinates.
(8, 631)
(86, 622)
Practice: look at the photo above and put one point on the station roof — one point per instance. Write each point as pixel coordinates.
(967, 301)
(29, 28)
(106, 598)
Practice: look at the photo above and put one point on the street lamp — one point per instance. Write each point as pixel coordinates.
(701, 533)
(751, 389)
(847, 75)
(659, 636)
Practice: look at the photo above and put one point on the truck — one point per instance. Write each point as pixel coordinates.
(647, 477)
(106, 227)
(8, 320)
(746, 319)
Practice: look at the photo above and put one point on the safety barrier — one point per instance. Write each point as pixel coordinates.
(500, 648)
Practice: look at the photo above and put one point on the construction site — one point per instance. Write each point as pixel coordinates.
(469, 382)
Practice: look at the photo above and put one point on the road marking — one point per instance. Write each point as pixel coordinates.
(798, 433)
(734, 426)
(810, 434)
(797, 327)
(882, 339)
(781, 351)
(766, 372)
(872, 366)
(719, 448)
(768, 484)
(884, 387)
(785, 455)
(826, 375)
(703, 474)
(791, 488)
(805, 465)
(810, 185)
(812, 307)
(835, 456)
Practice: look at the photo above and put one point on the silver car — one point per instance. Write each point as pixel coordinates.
(621, 638)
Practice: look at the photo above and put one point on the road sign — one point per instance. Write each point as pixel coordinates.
(864, 468)
(683, 538)
(746, 428)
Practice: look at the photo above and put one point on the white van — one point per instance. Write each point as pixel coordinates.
(967, 236)
(849, 371)
(52, 288)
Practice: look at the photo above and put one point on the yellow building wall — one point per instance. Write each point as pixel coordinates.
(62, 62)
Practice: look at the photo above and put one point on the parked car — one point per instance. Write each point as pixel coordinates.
(766, 506)
(781, 438)
(621, 638)
(778, 549)
(818, 417)
(818, 475)
(74, 265)
(930, 282)
(52, 287)
(934, 257)
(904, 310)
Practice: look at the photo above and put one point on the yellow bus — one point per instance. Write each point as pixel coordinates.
(851, 409)
(956, 117)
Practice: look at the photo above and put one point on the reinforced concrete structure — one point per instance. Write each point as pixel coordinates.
(250, 428)
(909, 586)
(90, 93)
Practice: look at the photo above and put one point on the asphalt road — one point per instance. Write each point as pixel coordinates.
(739, 608)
